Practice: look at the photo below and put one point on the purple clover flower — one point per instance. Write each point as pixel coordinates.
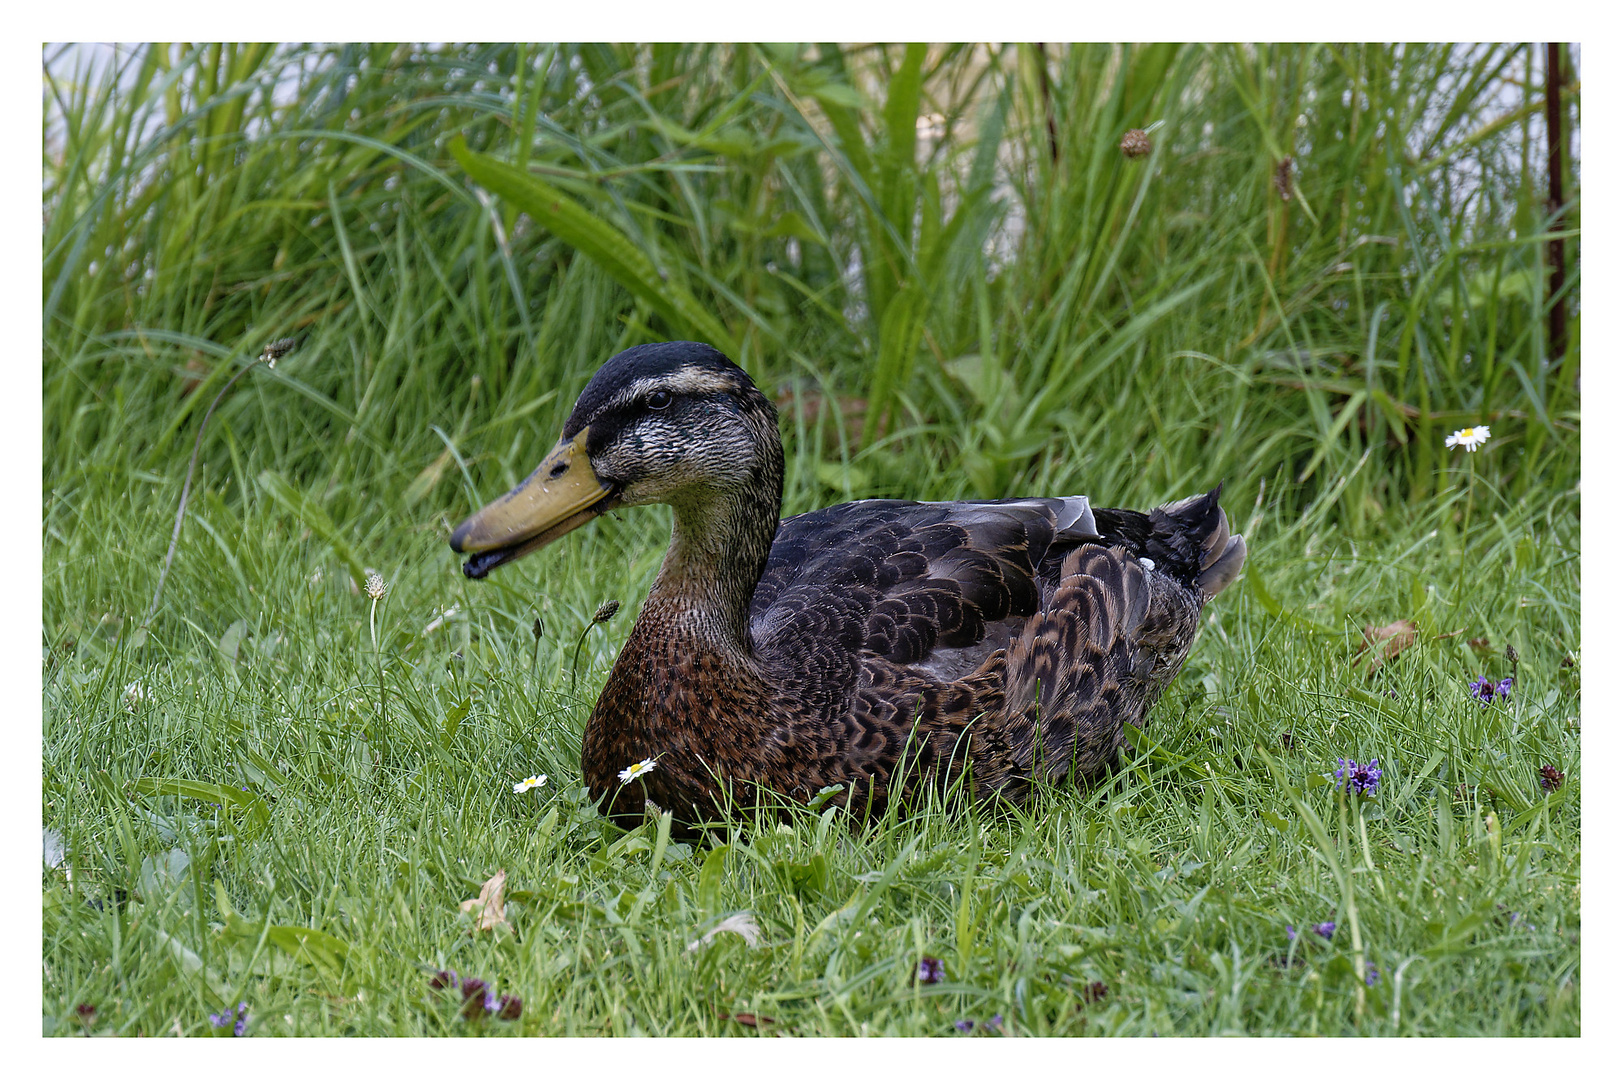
(1358, 779)
(440, 980)
(1326, 930)
(930, 970)
(475, 998)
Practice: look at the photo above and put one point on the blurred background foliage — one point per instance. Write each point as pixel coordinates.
(939, 260)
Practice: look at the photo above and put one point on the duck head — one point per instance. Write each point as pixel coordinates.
(675, 422)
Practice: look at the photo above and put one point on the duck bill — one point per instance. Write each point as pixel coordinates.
(560, 496)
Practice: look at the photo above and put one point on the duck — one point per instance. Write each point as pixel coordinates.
(865, 653)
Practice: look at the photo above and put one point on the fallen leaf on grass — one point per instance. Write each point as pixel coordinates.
(747, 1019)
(1391, 639)
(487, 907)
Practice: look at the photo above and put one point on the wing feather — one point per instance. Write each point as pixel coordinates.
(906, 580)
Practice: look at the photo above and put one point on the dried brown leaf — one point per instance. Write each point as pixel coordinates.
(1391, 639)
(747, 1019)
(487, 908)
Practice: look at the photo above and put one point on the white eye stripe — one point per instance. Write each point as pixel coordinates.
(681, 381)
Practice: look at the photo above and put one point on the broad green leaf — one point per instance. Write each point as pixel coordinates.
(269, 774)
(901, 132)
(190, 963)
(316, 948)
(454, 717)
(899, 334)
(710, 879)
(598, 240)
(229, 798)
(231, 640)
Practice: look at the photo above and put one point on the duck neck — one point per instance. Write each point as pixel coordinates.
(719, 545)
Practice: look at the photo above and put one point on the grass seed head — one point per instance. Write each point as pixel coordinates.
(1135, 143)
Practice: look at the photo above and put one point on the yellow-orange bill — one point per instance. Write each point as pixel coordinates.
(561, 495)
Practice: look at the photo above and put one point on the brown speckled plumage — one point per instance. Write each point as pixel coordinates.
(881, 645)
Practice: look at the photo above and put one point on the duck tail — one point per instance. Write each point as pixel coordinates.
(1188, 539)
(1220, 554)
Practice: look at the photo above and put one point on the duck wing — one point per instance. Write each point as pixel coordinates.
(1032, 628)
(937, 586)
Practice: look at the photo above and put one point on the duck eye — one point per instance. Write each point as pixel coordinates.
(659, 399)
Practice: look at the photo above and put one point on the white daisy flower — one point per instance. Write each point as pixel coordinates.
(529, 782)
(1470, 438)
(641, 768)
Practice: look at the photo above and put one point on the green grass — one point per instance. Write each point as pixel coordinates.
(1140, 330)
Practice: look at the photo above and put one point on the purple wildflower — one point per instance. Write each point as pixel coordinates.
(930, 970)
(442, 979)
(1358, 779)
(1550, 777)
(1513, 919)
(1326, 930)
(1485, 691)
(966, 1026)
(238, 1023)
(1372, 975)
(1290, 932)
(996, 1023)
(512, 1007)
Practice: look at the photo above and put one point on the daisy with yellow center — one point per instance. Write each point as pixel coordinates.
(529, 782)
(641, 768)
(1470, 438)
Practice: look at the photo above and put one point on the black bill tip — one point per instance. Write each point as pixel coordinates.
(486, 561)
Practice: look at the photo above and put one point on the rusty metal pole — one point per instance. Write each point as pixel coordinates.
(1557, 251)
